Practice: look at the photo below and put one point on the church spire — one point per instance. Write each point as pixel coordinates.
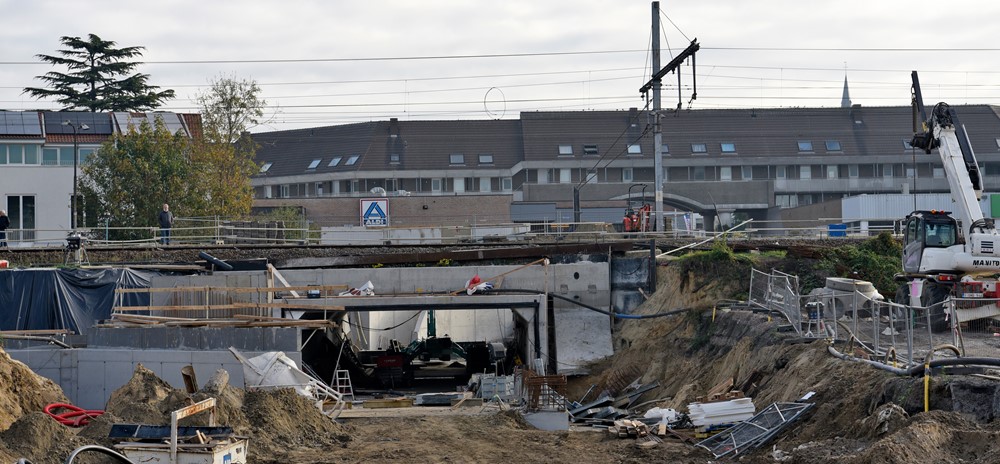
(845, 101)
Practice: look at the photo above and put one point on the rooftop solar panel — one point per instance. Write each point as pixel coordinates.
(19, 123)
(98, 123)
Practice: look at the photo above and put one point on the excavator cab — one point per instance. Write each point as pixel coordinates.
(926, 230)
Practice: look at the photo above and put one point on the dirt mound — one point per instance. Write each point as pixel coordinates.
(40, 439)
(861, 414)
(22, 391)
(146, 399)
(278, 422)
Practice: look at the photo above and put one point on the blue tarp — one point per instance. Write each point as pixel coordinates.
(72, 299)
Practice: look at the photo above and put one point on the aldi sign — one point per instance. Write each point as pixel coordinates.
(375, 212)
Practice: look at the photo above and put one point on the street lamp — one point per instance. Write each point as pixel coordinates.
(76, 155)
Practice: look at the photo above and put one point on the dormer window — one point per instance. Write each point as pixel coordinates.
(335, 161)
(314, 164)
(265, 167)
(352, 160)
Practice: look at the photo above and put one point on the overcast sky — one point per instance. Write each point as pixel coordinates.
(437, 59)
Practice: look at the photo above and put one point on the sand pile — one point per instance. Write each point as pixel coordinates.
(22, 391)
(278, 422)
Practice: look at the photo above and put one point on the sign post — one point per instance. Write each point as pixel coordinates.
(375, 212)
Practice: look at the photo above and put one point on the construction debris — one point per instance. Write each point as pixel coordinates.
(275, 370)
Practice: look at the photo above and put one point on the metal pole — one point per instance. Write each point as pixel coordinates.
(657, 132)
(72, 201)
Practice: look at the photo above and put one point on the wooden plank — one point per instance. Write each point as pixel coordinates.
(295, 306)
(37, 332)
(388, 403)
(330, 288)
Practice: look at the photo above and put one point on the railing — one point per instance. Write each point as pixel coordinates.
(200, 231)
(872, 328)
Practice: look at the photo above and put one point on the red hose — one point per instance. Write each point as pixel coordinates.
(74, 416)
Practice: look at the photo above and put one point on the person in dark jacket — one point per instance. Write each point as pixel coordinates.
(166, 219)
(4, 224)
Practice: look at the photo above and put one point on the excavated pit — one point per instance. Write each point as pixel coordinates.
(862, 414)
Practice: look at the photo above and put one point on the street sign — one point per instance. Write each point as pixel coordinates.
(375, 212)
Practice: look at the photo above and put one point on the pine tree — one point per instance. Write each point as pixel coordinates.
(99, 77)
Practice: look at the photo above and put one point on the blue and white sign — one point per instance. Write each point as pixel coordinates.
(375, 212)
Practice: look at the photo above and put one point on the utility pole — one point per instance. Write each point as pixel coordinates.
(657, 130)
(654, 84)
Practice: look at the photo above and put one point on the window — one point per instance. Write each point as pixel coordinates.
(507, 184)
(485, 158)
(565, 150)
(832, 172)
(664, 149)
(833, 145)
(699, 148)
(87, 155)
(779, 172)
(911, 173)
(852, 171)
(484, 185)
(459, 185)
(938, 173)
(698, 173)
(805, 172)
(283, 191)
(50, 156)
(626, 174)
(590, 150)
(66, 156)
(314, 164)
(394, 158)
(264, 167)
(592, 177)
(726, 173)
(353, 159)
(15, 154)
(805, 145)
(907, 145)
(728, 147)
(998, 142)
(21, 212)
(747, 173)
(565, 176)
(635, 149)
(435, 185)
(886, 170)
(456, 158)
(335, 161)
(319, 189)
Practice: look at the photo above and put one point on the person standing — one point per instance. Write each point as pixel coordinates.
(166, 219)
(4, 224)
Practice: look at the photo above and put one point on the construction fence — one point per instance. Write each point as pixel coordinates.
(877, 329)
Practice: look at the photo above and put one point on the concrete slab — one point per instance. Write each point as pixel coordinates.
(548, 420)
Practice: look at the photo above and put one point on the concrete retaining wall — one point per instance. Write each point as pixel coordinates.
(89, 376)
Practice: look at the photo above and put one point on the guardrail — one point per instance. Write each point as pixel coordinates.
(197, 231)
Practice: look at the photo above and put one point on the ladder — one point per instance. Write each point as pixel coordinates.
(342, 383)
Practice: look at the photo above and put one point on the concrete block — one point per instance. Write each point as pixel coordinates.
(106, 355)
(218, 357)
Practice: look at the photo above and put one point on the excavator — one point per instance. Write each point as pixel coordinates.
(944, 255)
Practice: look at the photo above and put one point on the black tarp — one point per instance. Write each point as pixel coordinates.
(72, 299)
